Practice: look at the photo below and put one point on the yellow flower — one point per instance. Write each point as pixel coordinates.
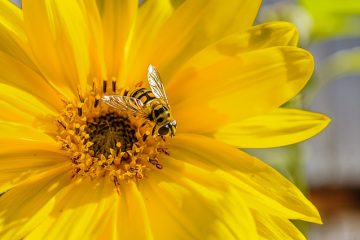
(73, 168)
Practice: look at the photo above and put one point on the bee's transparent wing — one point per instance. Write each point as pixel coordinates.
(157, 87)
(125, 103)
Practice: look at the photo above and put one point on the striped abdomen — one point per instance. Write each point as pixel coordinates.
(143, 94)
(158, 112)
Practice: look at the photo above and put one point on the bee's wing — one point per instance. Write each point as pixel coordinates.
(125, 103)
(157, 87)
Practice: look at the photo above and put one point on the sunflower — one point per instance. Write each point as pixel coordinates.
(74, 168)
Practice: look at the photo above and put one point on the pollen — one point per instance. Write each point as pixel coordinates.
(106, 142)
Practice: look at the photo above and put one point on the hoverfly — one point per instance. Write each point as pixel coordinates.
(150, 104)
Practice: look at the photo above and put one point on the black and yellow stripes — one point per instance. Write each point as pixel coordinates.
(143, 94)
(155, 109)
(160, 114)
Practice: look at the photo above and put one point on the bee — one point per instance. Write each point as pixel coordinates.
(151, 104)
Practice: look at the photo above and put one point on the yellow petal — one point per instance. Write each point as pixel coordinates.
(21, 107)
(128, 218)
(118, 19)
(117, 225)
(25, 153)
(261, 187)
(96, 41)
(257, 37)
(193, 25)
(18, 75)
(13, 39)
(137, 214)
(150, 18)
(59, 35)
(194, 205)
(278, 128)
(276, 228)
(24, 207)
(84, 205)
(22, 137)
(215, 89)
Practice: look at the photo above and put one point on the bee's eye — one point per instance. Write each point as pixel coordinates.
(163, 130)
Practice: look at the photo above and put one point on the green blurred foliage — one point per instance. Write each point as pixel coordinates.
(333, 17)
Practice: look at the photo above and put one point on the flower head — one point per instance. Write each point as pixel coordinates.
(86, 155)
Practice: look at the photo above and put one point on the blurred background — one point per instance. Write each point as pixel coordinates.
(327, 167)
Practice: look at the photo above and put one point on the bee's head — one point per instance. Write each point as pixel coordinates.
(168, 129)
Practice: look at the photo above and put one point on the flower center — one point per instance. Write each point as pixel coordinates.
(105, 142)
(108, 131)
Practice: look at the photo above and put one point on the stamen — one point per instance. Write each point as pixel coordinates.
(62, 124)
(79, 111)
(113, 84)
(77, 128)
(156, 163)
(104, 86)
(80, 97)
(64, 101)
(103, 142)
(97, 100)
